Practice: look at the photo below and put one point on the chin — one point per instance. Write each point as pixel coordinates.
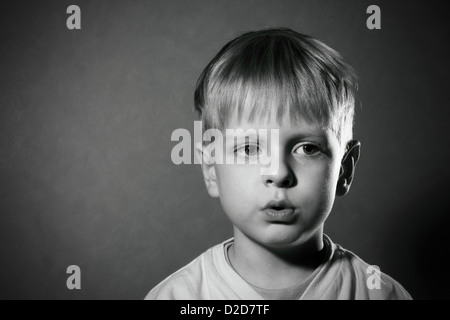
(282, 236)
(284, 239)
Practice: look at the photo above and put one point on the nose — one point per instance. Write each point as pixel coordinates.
(283, 178)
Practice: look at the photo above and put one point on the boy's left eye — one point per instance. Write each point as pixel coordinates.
(307, 149)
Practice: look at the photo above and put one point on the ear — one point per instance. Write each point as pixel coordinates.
(208, 169)
(348, 166)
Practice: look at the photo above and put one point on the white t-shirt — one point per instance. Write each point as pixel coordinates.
(341, 276)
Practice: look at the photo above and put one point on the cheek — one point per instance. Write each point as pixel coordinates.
(319, 184)
(235, 184)
(236, 175)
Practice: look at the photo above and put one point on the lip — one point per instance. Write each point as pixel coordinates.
(279, 211)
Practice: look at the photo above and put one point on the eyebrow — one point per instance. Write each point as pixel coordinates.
(322, 139)
(255, 134)
(308, 135)
(244, 133)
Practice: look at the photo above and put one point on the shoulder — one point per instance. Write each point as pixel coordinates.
(367, 281)
(187, 283)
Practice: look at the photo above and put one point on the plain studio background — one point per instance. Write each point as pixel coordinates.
(86, 117)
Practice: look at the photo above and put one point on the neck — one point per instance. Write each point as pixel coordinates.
(277, 267)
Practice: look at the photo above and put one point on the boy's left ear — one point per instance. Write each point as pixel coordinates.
(348, 166)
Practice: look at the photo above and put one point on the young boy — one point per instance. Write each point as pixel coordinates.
(302, 92)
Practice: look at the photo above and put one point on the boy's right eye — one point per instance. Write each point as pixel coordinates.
(248, 150)
(251, 150)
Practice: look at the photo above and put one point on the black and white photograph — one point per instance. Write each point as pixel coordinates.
(224, 150)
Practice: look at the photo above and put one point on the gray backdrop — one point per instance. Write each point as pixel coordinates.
(86, 117)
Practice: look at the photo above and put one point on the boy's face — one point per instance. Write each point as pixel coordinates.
(289, 207)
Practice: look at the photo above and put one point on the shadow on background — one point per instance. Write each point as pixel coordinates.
(420, 238)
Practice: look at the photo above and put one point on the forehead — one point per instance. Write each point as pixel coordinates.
(266, 97)
(287, 127)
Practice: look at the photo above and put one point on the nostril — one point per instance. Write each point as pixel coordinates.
(282, 181)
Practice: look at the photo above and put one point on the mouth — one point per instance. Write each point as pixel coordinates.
(279, 211)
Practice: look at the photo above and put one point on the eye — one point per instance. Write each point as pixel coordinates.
(307, 149)
(249, 150)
